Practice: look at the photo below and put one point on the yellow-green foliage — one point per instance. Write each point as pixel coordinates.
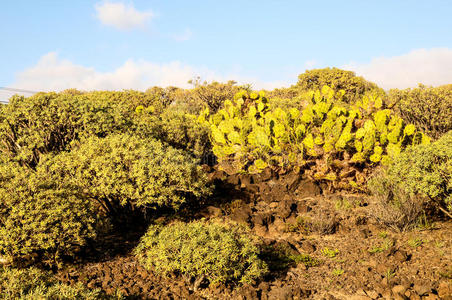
(394, 207)
(331, 139)
(121, 169)
(204, 94)
(218, 252)
(40, 216)
(424, 170)
(125, 102)
(48, 122)
(247, 131)
(214, 94)
(64, 155)
(43, 123)
(163, 97)
(355, 87)
(430, 109)
(175, 128)
(283, 93)
(32, 284)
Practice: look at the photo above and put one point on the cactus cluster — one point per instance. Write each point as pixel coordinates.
(248, 136)
(333, 141)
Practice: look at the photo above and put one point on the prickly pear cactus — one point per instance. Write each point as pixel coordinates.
(330, 140)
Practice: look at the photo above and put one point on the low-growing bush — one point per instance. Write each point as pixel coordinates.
(217, 252)
(429, 108)
(32, 283)
(422, 171)
(393, 207)
(355, 87)
(124, 170)
(39, 218)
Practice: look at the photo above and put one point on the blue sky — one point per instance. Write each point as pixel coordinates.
(52, 45)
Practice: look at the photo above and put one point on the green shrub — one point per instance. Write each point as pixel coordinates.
(330, 140)
(202, 250)
(283, 93)
(298, 102)
(214, 94)
(123, 104)
(164, 96)
(49, 122)
(175, 128)
(354, 86)
(40, 218)
(423, 170)
(393, 206)
(203, 94)
(430, 109)
(30, 284)
(124, 170)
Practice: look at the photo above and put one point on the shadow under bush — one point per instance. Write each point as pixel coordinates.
(280, 256)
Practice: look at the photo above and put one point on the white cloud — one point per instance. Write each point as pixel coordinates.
(427, 66)
(121, 16)
(184, 36)
(52, 73)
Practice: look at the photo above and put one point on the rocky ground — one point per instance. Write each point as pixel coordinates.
(350, 255)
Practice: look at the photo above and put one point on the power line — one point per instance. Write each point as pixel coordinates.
(17, 90)
(8, 92)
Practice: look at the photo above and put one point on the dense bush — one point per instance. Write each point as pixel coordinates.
(125, 102)
(125, 170)
(64, 155)
(45, 123)
(423, 170)
(355, 87)
(31, 284)
(430, 109)
(49, 122)
(40, 217)
(164, 96)
(175, 128)
(329, 139)
(214, 94)
(298, 102)
(283, 93)
(202, 250)
(204, 94)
